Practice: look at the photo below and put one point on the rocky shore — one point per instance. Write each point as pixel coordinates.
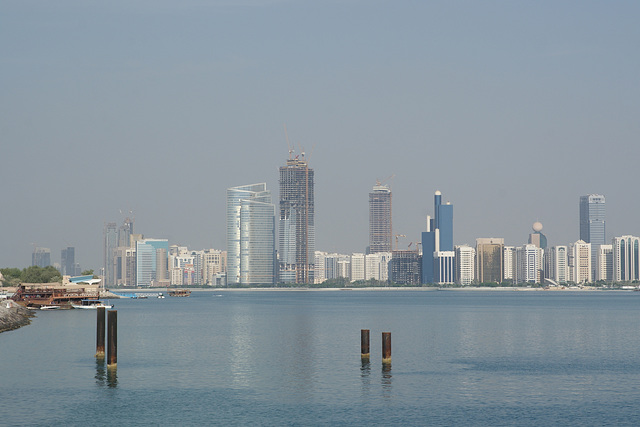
(14, 316)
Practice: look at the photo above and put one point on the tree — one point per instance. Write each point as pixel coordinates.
(35, 274)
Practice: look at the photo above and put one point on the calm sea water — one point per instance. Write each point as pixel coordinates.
(293, 358)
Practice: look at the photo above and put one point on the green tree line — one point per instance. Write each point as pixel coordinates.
(33, 274)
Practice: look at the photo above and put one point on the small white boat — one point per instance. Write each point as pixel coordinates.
(49, 307)
(160, 295)
(91, 304)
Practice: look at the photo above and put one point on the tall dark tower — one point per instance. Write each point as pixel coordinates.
(296, 224)
(380, 225)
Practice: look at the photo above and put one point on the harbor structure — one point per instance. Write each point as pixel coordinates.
(251, 258)
(380, 220)
(296, 224)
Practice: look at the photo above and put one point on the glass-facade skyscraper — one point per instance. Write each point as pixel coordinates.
(147, 264)
(438, 238)
(592, 224)
(250, 235)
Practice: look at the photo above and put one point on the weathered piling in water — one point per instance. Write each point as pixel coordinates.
(112, 339)
(100, 333)
(386, 347)
(364, 344)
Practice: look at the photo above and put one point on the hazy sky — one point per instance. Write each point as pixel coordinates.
(511, 109)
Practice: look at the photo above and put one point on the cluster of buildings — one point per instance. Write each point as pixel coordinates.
(258, 255)
(68, 266)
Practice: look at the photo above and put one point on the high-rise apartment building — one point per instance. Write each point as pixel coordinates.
(404, 268)
(377, 266)
(380, 224)
(41, 257)
(296, 222)
(489, 260)
(555, 264)
(605, 263)
(250, 235)
(437, 238)
(357, 266)
(509, 263)
(465, 264)
(592, 224)
(626, 258)
(529, 264)
(579, 262)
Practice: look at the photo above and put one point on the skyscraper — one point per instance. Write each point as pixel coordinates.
(592, 225)
(296, 222)
(438, 237)
(626, 258)
(250, 235)
(68, 261)
(41, 257)
(380, 225)
(110, 245)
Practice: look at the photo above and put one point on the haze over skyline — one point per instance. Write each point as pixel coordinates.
(512, 110)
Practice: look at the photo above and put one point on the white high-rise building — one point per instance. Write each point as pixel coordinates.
(214, 264)
(528, 264)
(555, 259)
(319, 265)
(357, 267)
(605, 263)
(465, 264)
(250, 235)
(377, 266)
(509, 262)
(580, 262)
(626, 258)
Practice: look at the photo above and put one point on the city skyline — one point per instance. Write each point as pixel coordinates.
(513, 111)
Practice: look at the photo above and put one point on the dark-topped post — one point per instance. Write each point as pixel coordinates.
(364, 344)
(112, 339)
(386, 347)
(100, 333)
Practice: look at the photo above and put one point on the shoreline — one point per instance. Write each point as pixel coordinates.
(14, 316)
(380, 288)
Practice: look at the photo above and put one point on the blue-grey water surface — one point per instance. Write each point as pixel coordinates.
(293, 358)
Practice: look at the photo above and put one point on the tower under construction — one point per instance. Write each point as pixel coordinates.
(296, 224)
(380, 226)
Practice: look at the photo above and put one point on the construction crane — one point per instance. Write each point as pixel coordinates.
(398, 235)
(382, 181)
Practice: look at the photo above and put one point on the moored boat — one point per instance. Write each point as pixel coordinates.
(178, 292)
(91, 304)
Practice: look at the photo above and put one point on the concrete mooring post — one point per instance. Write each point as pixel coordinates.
(112, 339)
(364, 344)
(100, 333)
(386, 347)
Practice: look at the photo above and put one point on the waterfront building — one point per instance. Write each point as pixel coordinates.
(605, 263)
(626, 258)
(445, 267)
(41, 257)
(126, 266)
(592, 224)
(296, 222)
(357, 266)
(110, 237)
(465, 265)
(344, 266)
(529, 264)
(579, 262)
(319, 264)
(556, 267)
(251, 257)
(438, 237)
(68, 261)
(489, 260)
(509, 263)
(405, 268)
(124, 233)
(380, 224)
(147, 267)
(377, 266)
(214, 266)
